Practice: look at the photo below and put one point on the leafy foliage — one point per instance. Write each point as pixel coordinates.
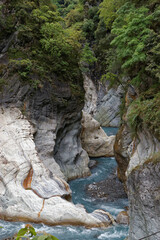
(75, 17)
(30, 233)
(112, 39)
(153, 48)
(132, 30)
(87, 58)
(132, 50)
(141, 112)
(44, 44)
(108, 11)
(64, 7)
(60, 44)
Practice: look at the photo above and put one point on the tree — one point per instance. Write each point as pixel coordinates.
(132, 30)
(108, 11)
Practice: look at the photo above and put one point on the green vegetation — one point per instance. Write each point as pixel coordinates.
(145, 111)
(132, 50)
(41, 44)
(111, 39)
(65, 6)
(131, 28)
(87, 58)
(108, 11)
(29, 233)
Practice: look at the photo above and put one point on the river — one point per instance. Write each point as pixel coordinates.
(104, 167)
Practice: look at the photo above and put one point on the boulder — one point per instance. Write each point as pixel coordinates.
(110, 189)
(94, 139)
(123, 218)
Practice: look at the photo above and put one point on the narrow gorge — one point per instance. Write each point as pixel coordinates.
(80, 118)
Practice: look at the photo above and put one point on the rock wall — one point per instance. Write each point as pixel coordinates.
(101, 103)
(94, 139)
(138, 158)
(68, 152)
(90, 96)
(143, 186)
(109, 107)
(122, 142)
(56, 116)
(28, 190)
(144, 197)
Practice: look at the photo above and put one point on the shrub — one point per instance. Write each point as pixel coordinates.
(141, 112)
(30, 233)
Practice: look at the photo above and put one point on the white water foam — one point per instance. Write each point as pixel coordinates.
(115, 235)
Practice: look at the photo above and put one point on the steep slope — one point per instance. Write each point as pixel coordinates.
(132, 52)
(138, 167)
(39, 81)
(41, 101)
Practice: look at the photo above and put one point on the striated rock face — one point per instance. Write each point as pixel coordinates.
(109, 107)
(28, 190)
(45, 137)
(143, 186)
(56, 116)
(143, 147)
(138, 166)
(94, 140)
(121, 150)
(68, 152)
(90, 96)
(138, 158)
(144, 196)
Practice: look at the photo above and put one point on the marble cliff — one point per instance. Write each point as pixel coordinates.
(138, 158)
(40, 122)
(29, 191)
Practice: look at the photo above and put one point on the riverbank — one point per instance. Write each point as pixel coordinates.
(103, 169)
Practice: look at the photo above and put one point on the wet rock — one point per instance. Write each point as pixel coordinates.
(92, 163)
(110, 189)
(122, 218)
(109, 107)
(93, 138)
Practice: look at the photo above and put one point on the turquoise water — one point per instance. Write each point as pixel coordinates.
(110, 131)
(68, 232)
(104, 167)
